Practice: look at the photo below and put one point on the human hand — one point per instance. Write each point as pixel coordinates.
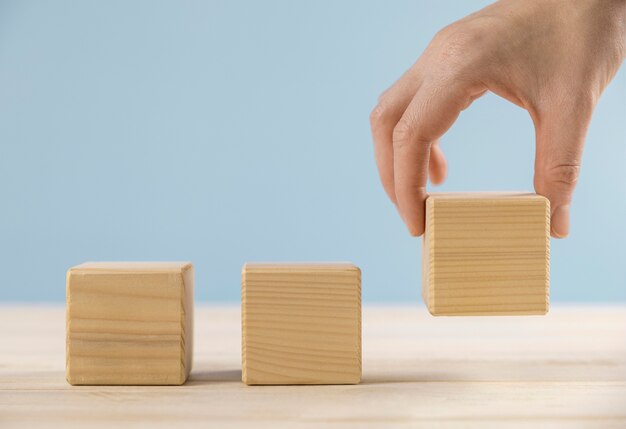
(551, 57)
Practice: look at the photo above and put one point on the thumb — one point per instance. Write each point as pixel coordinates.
(560, 139)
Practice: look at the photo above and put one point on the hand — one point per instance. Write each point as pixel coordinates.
(551, 57)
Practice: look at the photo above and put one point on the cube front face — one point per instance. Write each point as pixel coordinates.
(301, 324)
(129, 323)
(486, 254)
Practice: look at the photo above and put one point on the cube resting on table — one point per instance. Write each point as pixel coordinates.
(486, 254)
(129, 323)
(301, 324)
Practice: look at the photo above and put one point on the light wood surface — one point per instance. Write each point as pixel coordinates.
(567, 369)
(486, 254)
(129, 323)
(301, 324)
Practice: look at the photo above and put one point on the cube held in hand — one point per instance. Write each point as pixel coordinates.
(486, 254)
(129, 323)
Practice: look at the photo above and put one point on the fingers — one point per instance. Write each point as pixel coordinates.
(384, 118)
(560, 139)
(438, 166)
(430, 114)
(410, 164)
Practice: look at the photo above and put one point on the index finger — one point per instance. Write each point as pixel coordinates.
(430, 114)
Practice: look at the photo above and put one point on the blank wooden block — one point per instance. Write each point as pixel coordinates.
(486, 254)
(129, 323)
(301, 324)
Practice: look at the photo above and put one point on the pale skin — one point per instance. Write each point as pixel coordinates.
(553, 58)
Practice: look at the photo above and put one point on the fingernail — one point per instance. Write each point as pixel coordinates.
(560, 221)
(408, 225)
(413, 228)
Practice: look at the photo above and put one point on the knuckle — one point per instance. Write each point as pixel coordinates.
(378, 115)
(443, 34)
(458, 42)
(459, 47)
(564, 175)
(408, 132)
(402, 134)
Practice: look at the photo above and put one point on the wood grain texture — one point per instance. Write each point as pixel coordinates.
(564, 370)
(301, 324)
(486, 254)
(129, 323)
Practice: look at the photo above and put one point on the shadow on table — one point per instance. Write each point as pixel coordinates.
(203, 377)
(422, 377)
(234, 376)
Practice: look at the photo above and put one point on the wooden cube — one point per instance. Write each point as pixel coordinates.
(301, 324)
(129, 323)
(486, 254)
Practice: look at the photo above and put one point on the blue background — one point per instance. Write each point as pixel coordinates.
(227, 131)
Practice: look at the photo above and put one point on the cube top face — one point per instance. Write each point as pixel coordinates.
(129, 323)
(300, 267)
(133, 267)
(486, 254)
(301, 324)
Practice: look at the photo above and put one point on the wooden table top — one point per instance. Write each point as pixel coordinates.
(566, 369)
